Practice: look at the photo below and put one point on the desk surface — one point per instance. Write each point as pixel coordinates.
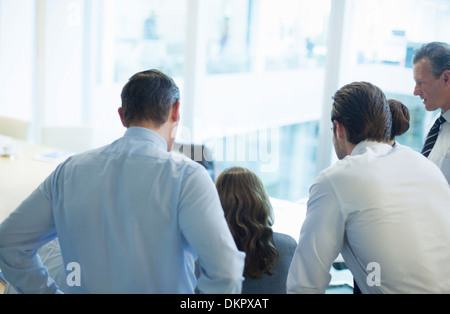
(21, 174)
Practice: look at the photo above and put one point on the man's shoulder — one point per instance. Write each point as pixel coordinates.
(340, 167)
(183, 162)
(350, 168)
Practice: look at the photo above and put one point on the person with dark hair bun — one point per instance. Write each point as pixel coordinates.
(400, 119)
(384, 208)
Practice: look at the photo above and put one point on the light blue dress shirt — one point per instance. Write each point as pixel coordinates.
(132, 216)
(50, 255)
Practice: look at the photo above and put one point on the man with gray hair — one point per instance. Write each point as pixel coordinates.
(432, 76)
(384, 208)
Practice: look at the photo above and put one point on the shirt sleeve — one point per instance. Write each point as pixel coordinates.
(29, 227)
(321, 240)
(204, 226)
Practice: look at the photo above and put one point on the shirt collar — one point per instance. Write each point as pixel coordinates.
(447, 116)
(147, 134)
(376, 147)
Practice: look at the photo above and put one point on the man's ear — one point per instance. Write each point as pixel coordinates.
(175, 113)
(340, 129)
(447, 78)
(120, 110)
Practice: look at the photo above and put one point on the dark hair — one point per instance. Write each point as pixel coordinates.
(363, 110)
(149, 96)
(439, 55)
(400, 118)
(249, 215)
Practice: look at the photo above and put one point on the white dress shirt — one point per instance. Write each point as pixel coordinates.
(132, 216)
(440, 154)
(387, 210)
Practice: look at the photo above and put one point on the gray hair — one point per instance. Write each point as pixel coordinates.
(439, 55)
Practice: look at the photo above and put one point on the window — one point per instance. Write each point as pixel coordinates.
(229, 45)
(262, 95)
(254, 74)
(383, 36)
(148, 34)
(284, 157)
(251, 35)
(293, 35)
(17, 59)
(64, 42)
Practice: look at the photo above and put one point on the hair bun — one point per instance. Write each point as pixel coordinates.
(400, 118)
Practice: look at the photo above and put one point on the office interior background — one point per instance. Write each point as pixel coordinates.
(256, 76)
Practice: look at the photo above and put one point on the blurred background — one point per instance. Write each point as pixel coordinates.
(256, 76)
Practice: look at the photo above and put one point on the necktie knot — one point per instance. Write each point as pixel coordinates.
(432, 136)
(440, 120)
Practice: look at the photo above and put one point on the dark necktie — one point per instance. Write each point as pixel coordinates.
(432, 136)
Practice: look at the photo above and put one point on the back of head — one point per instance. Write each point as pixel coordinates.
(249, 215)
(149, 96)
(400, 118)
(363, 110)
(438, 54)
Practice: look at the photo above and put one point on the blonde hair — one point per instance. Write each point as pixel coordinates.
(250, 218)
